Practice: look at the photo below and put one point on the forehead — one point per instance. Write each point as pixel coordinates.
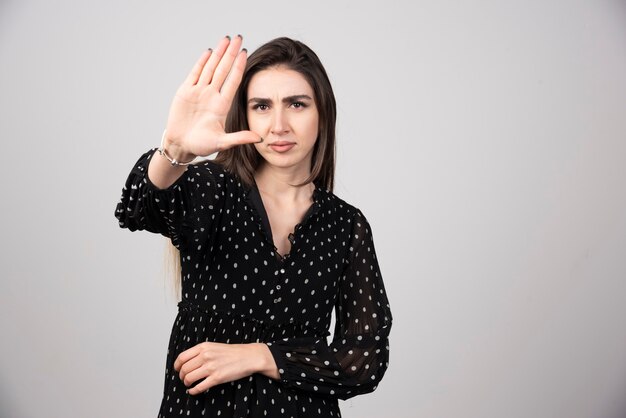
(278, 82)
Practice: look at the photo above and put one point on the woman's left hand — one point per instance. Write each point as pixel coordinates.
(218, 363)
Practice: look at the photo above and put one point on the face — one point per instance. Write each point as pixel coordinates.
(281, 109)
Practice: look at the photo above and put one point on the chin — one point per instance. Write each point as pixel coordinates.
(285, 161)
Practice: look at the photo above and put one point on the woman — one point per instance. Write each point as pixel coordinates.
(267, 251)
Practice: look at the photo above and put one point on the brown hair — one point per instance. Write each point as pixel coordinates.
(243, 160)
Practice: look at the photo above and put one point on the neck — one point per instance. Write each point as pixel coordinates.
(281, 182)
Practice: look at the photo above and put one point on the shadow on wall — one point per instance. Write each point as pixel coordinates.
(8, 408)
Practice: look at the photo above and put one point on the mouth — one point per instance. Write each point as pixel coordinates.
(282, 146)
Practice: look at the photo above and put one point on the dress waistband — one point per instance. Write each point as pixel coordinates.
(186, 306)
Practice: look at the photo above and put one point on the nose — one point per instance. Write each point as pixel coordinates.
(280, 123)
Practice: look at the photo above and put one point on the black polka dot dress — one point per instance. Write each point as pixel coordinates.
(236, 288)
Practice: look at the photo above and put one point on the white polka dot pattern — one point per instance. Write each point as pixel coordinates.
(236, 288)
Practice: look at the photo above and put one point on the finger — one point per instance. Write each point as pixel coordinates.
(203, 386)
(229, 88)
(214, 59)
(195, 375)
(194, 75)
(185, 356)
(226, 63)
(191, 365)
(237, 138)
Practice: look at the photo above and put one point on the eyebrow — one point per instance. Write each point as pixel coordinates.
(287, 99)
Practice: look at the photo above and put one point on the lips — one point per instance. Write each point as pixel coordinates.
(282, 146)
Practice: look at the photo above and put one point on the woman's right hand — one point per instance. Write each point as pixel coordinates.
(197, 117)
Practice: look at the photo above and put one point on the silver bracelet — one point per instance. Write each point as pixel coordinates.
(173, 161)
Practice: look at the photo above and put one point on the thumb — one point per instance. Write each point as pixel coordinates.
(238, 138)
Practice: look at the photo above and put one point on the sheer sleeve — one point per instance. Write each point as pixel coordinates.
(171, 211)
(358, 356)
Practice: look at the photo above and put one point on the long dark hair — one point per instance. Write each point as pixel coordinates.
(243, 160)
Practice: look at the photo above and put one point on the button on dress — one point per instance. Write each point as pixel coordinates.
(236, 288)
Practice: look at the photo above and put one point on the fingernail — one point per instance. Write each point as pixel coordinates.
(210, 49)
(244, 50)
(239, 35)
(261, 140)
(228, 36)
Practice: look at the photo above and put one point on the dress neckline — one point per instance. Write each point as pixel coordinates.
(253, 195)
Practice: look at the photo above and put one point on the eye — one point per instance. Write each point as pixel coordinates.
(299, 105)
(260, 106)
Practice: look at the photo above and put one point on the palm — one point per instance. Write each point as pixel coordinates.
(198, 115)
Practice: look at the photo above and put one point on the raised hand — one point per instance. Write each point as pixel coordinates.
(197, 116)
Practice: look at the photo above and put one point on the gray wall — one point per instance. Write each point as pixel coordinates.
(484, 140)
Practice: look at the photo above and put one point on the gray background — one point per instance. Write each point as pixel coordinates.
(485, 141)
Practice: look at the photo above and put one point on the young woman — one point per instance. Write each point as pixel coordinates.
(267, 250)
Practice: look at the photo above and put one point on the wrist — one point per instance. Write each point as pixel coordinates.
(176, 152)
(264, 361)
(173, 152)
